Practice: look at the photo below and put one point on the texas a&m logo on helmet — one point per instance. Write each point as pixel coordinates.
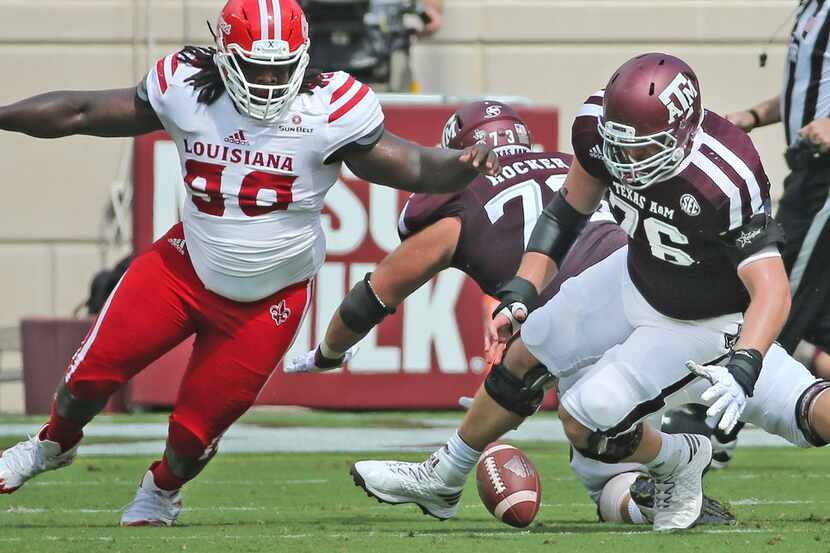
(679, 98)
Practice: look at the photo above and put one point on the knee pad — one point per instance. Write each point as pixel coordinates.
(607, 449)
(186, 453)
(81, 410)
(522, 396)
(803, 411)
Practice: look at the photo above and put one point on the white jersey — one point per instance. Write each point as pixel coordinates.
(255, 190)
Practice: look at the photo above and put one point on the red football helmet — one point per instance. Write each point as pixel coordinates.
(486, 122)
(651, 111)
(262, 32)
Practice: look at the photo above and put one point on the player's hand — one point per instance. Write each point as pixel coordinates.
(741, 119)
(499, 330)
(727, 397)
(818, 132)
(481, 158)
(310, 362)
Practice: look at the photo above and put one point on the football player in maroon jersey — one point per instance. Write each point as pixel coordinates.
(472, 214)
(648, 322)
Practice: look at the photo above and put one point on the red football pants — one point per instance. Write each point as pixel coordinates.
(157, 304)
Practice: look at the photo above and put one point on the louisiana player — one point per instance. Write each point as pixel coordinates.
(261, 139)
(689, 190)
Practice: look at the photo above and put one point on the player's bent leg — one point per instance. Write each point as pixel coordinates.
(607, 403)
(133, 328)
(513, 390)
(233, 357)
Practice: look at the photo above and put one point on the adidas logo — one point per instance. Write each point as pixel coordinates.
(237, 138)
(595, 152)
(177, 243)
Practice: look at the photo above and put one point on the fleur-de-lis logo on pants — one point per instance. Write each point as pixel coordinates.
(280, 312)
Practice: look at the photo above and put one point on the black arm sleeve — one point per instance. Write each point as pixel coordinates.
(758, 233)
(557, 228)
(362, 144)
(141, 92)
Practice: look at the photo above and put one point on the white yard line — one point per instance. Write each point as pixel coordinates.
(248, 438)
(506, 534)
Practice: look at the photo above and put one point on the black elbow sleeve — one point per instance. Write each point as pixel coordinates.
(361, 310)
(557, 229)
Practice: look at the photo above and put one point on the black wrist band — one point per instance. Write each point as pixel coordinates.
(324, 362)
(745, 366)
(756, 119)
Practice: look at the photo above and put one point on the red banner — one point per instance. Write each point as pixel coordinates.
(425, 356)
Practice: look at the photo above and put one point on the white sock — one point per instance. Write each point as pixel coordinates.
(461, 456)
(674, 450)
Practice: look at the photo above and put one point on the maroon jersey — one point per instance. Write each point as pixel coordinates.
(497, 216)
(688, 234)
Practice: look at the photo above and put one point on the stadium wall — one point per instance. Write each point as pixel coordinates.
(552, 51)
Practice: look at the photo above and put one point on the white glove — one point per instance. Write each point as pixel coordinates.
(305, 363)
(729, 399)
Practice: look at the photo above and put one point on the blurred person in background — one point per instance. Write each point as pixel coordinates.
(371, 39)
(261, 139)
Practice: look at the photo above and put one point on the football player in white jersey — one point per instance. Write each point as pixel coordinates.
(261, 139)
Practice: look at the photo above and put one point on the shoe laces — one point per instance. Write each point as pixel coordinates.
(23, 458)
(416, 471)
(663, 492)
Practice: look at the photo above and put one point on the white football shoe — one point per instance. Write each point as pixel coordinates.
(678, 496)
(28, 459)
(434, 485)
(152, 506)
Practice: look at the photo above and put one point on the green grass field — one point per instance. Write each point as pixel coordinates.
(307, 502)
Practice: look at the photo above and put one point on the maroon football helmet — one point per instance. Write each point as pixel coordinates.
(651, 111)
(486, 122)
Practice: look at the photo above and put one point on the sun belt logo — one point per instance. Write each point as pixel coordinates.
(679, 97)
(492, 111)
(237, 138)
(689, 205)
(280, 312)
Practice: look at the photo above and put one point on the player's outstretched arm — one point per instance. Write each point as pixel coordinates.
(405, 165)
(410, 265)
(116, 112)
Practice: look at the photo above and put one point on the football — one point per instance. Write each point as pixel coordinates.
(509, 485)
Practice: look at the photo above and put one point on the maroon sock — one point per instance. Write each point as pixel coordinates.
(164, 477)
(63, 431)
